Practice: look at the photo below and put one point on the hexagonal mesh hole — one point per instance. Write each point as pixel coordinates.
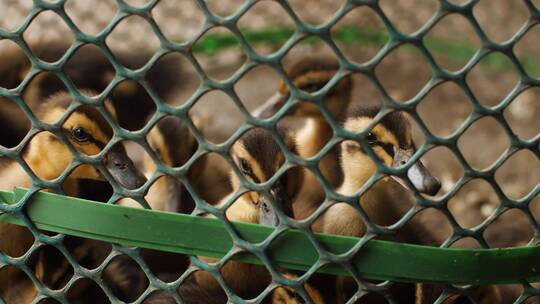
(125, 278)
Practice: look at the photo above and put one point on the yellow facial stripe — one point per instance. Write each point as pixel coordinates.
(244, 209)
(157, 141)
(408, 134)
(383, 156)
(361, 124)
(280, 159)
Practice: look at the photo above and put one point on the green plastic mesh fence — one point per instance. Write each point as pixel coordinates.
(65, 250)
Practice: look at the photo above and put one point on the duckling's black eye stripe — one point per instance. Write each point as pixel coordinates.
(252, 176)
(289, 292)
(90, 139)
(312, 87)
(99, 144)
(389, 148)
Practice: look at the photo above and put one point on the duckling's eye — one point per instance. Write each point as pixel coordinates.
(310, 87)
(80, 134)
(244, 166)
(371, 138)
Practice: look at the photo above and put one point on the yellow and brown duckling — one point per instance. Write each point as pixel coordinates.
(48, 157)
(258, 157)
(88, 132)
(173, 145)
(311, 75)
(391, 141)
(89, 69)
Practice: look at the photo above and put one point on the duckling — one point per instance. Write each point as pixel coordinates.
(391, 141)
(258, 158)
(89, 70)
(173, 144)
(46, 155)
(311, 75)
(88, 132)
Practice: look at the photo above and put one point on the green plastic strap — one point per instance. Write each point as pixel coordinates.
(381, 260)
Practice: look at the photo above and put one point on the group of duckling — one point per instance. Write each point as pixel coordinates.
(296, 194)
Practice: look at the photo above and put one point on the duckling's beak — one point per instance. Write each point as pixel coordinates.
(419, 176)
(271, 106)
(122, 169)
(267, 213)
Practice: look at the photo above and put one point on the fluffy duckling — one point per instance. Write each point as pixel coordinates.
(391, 140)
(258, 158)
(173, 144)
(311, 75)
(89, 69)
(88, 132)
(47, 156)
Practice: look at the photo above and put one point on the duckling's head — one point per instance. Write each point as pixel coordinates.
(172, 142)
(258, 158)
(88, 132)
(391, 140)
(310, 75)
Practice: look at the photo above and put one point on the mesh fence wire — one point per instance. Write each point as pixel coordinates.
(143, 286)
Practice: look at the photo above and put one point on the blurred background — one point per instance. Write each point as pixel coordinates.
(360, 35)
